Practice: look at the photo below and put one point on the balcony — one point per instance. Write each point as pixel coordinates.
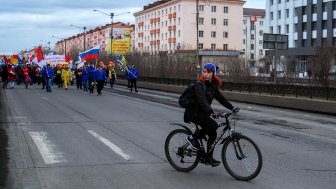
(151, 20)
(158, 42)
(170, 28)
(174, 27)
(170, 16)
(171, 40)
(174, 15)
(158, 19)
(157, 31)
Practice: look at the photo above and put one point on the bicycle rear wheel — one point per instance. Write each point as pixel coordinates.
(179, 153)
(242, 158)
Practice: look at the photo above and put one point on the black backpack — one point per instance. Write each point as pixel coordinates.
(186, 97)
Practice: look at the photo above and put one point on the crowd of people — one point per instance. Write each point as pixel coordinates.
(87, 78)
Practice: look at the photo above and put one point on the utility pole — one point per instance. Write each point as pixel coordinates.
(197, 40)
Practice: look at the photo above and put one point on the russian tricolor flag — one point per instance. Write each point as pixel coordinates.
(90, 54)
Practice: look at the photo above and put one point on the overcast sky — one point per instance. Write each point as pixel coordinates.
(28, 23)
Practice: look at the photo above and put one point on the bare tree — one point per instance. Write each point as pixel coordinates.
(320, 64)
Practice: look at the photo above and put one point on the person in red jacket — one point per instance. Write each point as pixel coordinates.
(26, 77)
(11, 76)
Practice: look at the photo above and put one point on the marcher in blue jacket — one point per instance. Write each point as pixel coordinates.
(100, 77)
(133, 76)
(48, 73)
(91, 71)
(85, 78)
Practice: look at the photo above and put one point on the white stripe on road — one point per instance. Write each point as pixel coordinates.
(47, 148)
(112, 146)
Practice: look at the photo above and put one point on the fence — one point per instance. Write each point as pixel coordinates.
(298, 91)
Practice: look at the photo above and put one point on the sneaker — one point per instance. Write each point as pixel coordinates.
(211, 161)
(193, 142)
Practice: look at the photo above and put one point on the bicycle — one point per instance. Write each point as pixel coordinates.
(240, 155)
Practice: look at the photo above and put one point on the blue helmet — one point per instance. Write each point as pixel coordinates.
(211, 67)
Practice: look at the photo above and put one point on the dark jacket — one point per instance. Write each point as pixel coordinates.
(204, 95)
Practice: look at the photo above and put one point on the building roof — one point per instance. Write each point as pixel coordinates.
(156, 3)
(254, 12)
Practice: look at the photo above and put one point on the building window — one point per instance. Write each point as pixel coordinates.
(201, 8)
(225, 47)
(179, 8)
(213, 8)
(271, 15)
(313, 42)
(213, 34)
(261, 32)
(213, 21)
(260, 42)
(252, 36)
(287, 28)
(314, 8)
(179, 33)
(226, 9)
(287, 13)
(213, 46)
(225, 34)
(314, 26)
(201, 33)
(296, 12)
(244, 41)
(200, 21)
(295, 43)
(279, 29)
(271, 29)
(200, 45)
(252, 56)
(304, 43)
(272, 2)
(225, 22)
(261, 52)
(261, 23)
(279, 14)
(279, 1)
(304, 10)
(252, 46)
(324, 24)
(324, 7)
(296, 28)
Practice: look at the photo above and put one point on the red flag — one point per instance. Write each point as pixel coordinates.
(39, 54)
(5, 59)
(255, 19)
(67, 58)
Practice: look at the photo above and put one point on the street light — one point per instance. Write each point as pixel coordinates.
(64, 43)
(47, 43)
(111, 32)
(84, 28)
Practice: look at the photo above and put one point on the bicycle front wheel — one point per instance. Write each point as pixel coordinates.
(242, 158)
(179, 153)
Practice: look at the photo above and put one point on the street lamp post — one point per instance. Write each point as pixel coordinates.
(62, 40)
(111, 32)
(84, 28)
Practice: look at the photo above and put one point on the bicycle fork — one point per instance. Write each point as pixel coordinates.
(236, 145)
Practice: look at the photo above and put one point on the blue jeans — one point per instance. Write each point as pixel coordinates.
(48, 84)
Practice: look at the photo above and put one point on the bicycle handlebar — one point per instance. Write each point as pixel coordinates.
(226, 115)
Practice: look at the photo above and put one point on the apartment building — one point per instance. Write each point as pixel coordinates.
(309, 24)
(99, 36)
(170, 25)
(253, 30)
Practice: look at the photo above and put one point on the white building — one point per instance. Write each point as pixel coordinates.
(254, 21)
(309, 24)
(170, 25)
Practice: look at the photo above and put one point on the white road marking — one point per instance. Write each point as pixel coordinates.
(44, 98)
(112, 146)
(47, 148)
(18, 117)
(306, 115)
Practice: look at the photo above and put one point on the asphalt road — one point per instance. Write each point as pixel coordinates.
(71, 139)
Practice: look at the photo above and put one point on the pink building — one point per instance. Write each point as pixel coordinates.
(98, 36)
